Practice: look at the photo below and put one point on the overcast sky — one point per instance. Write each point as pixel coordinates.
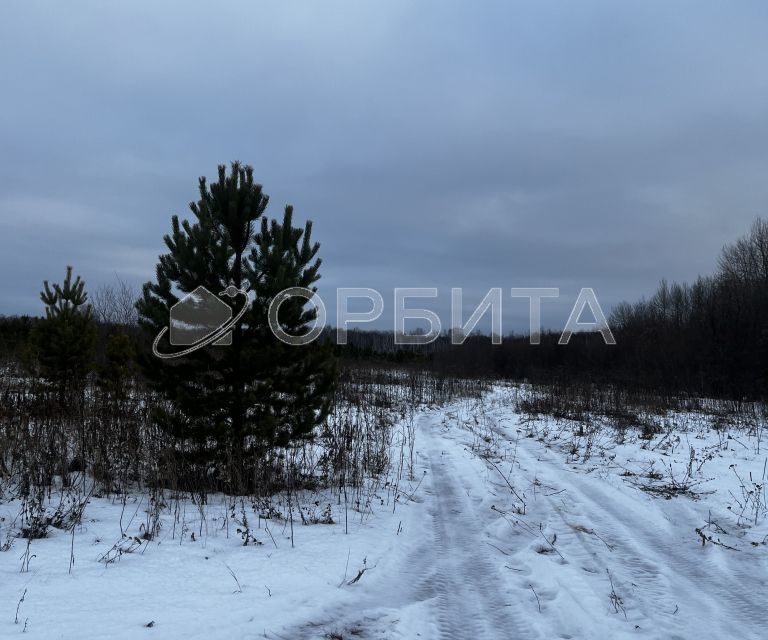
(473, 144)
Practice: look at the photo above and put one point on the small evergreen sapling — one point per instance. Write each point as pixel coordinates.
(64, 338)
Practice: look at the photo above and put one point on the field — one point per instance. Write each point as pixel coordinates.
(497, 515)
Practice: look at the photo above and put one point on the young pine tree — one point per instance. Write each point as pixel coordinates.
(228, 404)
(64, 339)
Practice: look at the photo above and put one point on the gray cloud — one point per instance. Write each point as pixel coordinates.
(433, 143)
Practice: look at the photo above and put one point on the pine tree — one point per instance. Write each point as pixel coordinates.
(230, 404)
(64, 338)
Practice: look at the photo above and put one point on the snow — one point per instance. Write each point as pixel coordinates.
(509, 527)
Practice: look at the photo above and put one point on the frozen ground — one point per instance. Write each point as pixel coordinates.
(510, 528)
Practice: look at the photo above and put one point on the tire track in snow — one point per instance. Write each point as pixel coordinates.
(450, 572)
(470, 600)
(654, 556)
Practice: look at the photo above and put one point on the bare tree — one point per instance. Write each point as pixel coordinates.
(116, 303)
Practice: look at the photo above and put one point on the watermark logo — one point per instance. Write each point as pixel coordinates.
(201, 318)
(403, 310)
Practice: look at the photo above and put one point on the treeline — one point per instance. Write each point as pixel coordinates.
(709, 337)
(705, 338)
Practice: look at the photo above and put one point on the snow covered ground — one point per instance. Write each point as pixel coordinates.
(509, 528)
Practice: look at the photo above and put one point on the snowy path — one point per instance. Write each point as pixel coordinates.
(448, 584)
(466, 582)
(463, 570)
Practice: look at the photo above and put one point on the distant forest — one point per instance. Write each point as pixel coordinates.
(708, 337)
